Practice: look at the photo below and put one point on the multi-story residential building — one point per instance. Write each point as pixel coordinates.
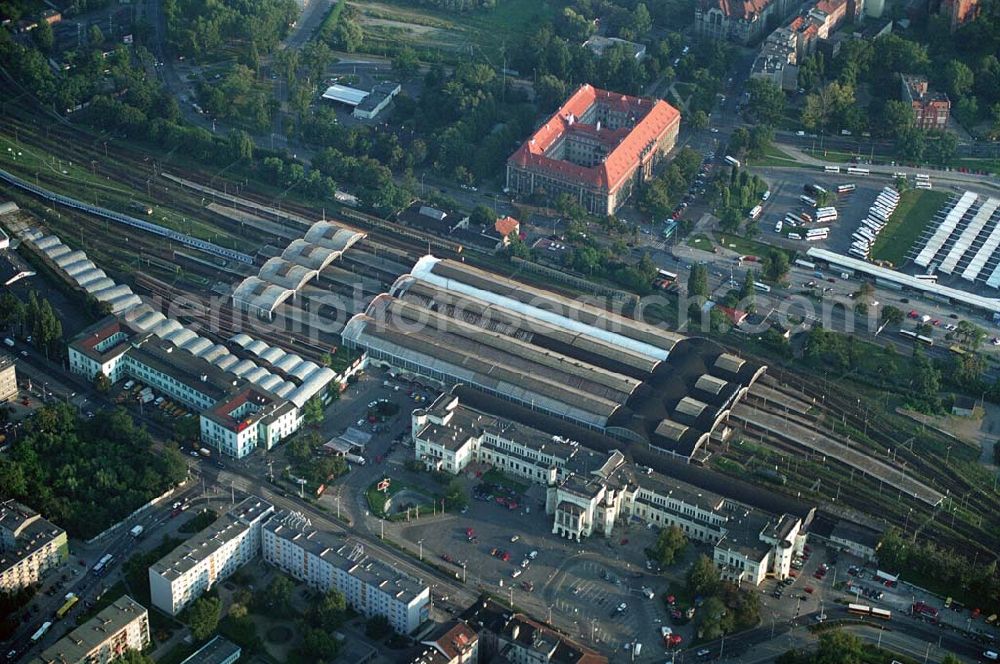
(219, 650)
(743, 22)
(930, 109)
(597, 148)
(236, 415)
(517, 638)
(778, 60)
(589, 495)
(326, 561)
(959, 12)
(453, 643)
(104, 638)
(8, 378)
(29, 546)
(209, 557)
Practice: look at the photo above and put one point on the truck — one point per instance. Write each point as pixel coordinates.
(136, 531)
(355, 459)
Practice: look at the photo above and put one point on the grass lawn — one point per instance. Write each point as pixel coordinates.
(916, 208)
(700, 241)
(775, 157)
(748, 247)
(991, 165)
(387, 23)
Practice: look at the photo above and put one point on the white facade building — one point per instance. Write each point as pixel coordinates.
(104, 638)
(589, 495)
(30, 546)
(209, 557)
(328, 562)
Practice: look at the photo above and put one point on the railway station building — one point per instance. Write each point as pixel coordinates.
(589, 494)
(597, 147)
(450, 324)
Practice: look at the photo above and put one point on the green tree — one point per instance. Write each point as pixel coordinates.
(101, 382)
(958, 78)
(405, 63)
(313, 412)
(891, 315)
(897, 118)
(329, 611)
(133, 656)
(927, 378)
(838, 647)
(43, 36)
(348, 35)
(748, 292)
(714, 618)
(203, 617)
(278, 595)
(550, 92)
(775, 265)
(377, 627)
(699, 120)
(669, 544)
(95, 35)
(455, 496)
(698, 281)
(767, 101)
(911, 144)
(240, 145)
(703, 577)
(320, 646)
(483, 216)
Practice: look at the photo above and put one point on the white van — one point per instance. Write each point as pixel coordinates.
(991, 655)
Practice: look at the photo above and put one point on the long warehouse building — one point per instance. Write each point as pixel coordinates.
(454, 324)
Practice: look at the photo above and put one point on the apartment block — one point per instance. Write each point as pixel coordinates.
(30, 546)
(104, 638)
(8, 378)
(209, 557)
(326, 561)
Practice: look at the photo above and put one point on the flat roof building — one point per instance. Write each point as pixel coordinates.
(30, 546)
(597, 147)
(219, 650)
(326, 561)
(8, 378)
(209, 557)
(107, 636)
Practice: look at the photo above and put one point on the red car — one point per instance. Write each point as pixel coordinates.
(808, 589)
(505, 557)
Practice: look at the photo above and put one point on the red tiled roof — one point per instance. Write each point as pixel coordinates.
(654, 118)
(99, 335)
(507, 225)
(746, 9)
(456, 641)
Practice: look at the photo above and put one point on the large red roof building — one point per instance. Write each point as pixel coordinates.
(596, 147)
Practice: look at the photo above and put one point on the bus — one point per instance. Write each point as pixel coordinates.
(818, 231)
(956, 349)
(869, 611)
(860, 253)
(923, 185)
(922, 177)
(805, 218)
(36, 637)
(845, 188)
(755, 212)
(805, 200)
(67, 607)
(826, 214)
(663, 274)
(832, 169)
(794, 236)
(813, 189)
(102, 564)
(732, 161)
(806, 264)
(762, 287)
(890, 191)
(930, 278)
(817, 238)
(855, 170)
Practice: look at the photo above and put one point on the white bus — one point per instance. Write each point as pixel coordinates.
(732, 161)
(805, 200)
(41, 632)
(923, 185)
(755, 212)
(922, 177)
(887, 198)
(806, 264)
(857, 252)
(845, 188)
(855, 170)
(867, 234)
(817, 238)
(827, 215)
(669, 276)
(762, 287)
(889, 191)
(818, 231)
(930, 278)
(102, 564)
(832, 169)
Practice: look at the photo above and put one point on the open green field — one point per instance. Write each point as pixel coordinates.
(776, 158)
(916, 208)
(389, 25)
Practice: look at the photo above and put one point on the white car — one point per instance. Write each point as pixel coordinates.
(703, 652)
(621, 607)
(515, 538)
(714, 130)
(525, 562)
(516, 573)
(533, 555)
